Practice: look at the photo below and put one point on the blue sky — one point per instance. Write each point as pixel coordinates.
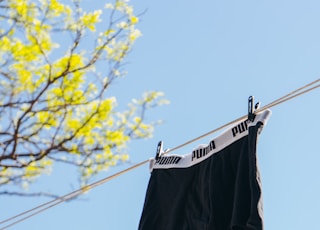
(209, 57)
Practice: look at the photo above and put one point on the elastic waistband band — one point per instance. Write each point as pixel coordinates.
(203, 152)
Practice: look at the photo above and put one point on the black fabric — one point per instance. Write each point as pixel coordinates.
(223, 192)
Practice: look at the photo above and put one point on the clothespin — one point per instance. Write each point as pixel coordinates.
(159, 150)
(251, 109)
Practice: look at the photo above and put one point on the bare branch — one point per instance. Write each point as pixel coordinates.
(24, 194)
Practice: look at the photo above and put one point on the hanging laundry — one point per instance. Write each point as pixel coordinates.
(217, 186)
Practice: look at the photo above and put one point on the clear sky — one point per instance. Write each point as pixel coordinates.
(209, 57)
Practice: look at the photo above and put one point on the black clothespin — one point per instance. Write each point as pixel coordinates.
(159, 150)
(251, 109)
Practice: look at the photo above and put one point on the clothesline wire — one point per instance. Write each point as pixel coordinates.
(36, 210)
(66, 197)
(291, 95)
(280, 100)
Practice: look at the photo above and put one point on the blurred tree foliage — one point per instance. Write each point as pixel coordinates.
(57, 63)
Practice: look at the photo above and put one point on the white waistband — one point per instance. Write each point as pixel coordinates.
(202, 152)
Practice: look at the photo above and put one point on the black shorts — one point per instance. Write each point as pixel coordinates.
(217, 186)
